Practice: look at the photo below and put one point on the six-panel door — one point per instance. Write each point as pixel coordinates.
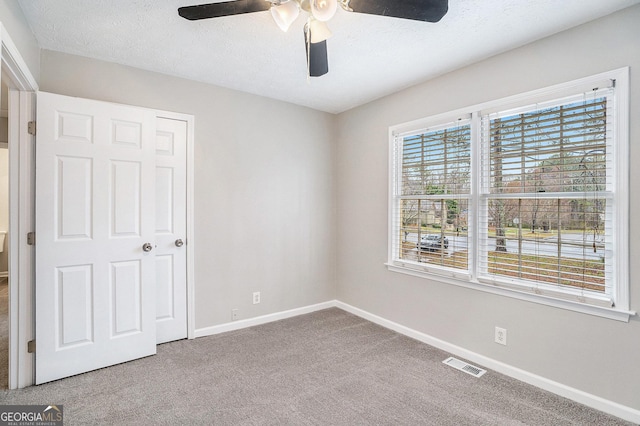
(95, 209)
(171, 228)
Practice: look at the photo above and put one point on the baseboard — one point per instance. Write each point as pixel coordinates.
(250, 322)
(593, 401)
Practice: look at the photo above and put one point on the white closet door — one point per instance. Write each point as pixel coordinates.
(171, 230)
(95, 190)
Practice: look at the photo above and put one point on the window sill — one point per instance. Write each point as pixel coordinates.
(463, 280)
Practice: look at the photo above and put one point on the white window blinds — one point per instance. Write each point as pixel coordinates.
(546, 208)
(526, 196)
(432, 196)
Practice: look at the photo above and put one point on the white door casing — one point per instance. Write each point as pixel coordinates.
(95, 293)
(171, 230)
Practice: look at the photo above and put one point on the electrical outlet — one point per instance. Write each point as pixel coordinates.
(256, 297)
(501, 336)
(234, 315)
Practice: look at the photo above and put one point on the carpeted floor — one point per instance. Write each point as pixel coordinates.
(324, 368)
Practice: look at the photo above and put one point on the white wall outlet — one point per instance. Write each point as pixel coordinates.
(256, 297)
(501, 336)
(234, 315)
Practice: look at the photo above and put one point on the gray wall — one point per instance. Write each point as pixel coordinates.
(264, 196)
(16, 25)
(592, 354)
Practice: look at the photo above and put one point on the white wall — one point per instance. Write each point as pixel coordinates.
(264, 196)
(595, 355)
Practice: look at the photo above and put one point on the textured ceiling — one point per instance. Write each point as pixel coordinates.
(369, 56)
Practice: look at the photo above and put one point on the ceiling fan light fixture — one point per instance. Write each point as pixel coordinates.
(323, 10)
(285, 13)
(316, 33)
(319, 31)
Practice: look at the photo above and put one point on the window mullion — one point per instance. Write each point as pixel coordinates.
(474, 202)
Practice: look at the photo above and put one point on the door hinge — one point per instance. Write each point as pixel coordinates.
(31, 346)
(31, 127)
(31, 238)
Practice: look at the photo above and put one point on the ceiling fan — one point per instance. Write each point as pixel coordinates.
(316, 32)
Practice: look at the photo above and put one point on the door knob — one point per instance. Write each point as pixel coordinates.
(146, 247)
(179, 243)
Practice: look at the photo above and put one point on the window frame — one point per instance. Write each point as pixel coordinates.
(589, 304)
(451, 123)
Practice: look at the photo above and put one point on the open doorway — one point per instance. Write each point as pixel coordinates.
(4, 226)
(19, 86)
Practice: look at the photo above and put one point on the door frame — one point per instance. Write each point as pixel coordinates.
(22, 104)
(22, 86)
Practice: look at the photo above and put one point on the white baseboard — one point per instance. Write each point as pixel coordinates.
(237, 325)
(593, 401)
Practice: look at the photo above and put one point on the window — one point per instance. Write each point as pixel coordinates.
(526, 196)
(433, 198)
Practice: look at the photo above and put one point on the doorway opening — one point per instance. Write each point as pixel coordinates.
(4, 226)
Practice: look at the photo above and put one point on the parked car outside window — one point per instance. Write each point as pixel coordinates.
(433, 242)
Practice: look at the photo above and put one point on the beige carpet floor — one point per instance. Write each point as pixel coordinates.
(324, 368)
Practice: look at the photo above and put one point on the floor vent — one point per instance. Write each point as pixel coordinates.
(463, 366)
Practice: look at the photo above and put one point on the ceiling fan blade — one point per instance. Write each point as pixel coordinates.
(227, 8)
(318, 62)
(417, 10)
(317, 57)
